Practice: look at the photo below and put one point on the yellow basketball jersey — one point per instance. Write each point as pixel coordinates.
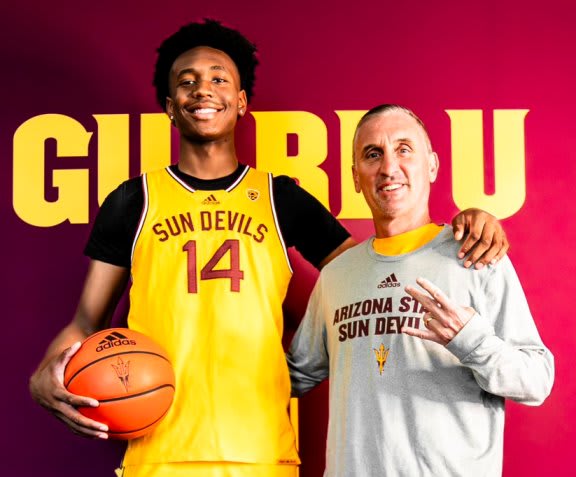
(209, 274)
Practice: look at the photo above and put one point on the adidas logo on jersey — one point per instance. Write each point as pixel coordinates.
(211, 200)
(112, 340)
(389, 282)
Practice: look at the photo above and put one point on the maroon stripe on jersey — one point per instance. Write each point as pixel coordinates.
(276, 223)
(142, 215)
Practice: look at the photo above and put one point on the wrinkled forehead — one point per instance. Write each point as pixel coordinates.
(389, 127)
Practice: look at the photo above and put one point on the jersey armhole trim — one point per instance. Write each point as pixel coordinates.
(142, 214)
(276, 223)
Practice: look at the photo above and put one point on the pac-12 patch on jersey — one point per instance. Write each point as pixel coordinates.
(253, 194)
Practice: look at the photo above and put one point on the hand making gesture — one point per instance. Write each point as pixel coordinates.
(443, 318)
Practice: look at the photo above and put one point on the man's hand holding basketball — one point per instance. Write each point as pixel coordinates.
(47, 388)
(443, 318)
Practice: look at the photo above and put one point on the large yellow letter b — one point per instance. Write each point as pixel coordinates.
(272, 129)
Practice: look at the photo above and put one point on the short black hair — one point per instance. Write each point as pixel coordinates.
(211, 33)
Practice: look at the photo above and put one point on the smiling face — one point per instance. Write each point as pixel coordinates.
(205, 96)
(394, 167)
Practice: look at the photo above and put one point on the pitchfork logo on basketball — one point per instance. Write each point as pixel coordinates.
(253, 194)
(122, 371)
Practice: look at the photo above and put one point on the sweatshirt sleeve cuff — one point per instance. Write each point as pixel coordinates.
(470, 337)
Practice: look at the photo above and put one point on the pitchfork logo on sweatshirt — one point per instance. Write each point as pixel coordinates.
(381, 357)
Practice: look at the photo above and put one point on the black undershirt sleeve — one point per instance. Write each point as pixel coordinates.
(116, 224)
(304, 222)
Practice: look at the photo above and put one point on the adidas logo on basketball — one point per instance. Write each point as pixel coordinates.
(112, 340)
(389, 282)
(211, 200)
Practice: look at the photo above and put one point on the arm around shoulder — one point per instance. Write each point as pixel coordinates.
(483, 238)
(307, 225)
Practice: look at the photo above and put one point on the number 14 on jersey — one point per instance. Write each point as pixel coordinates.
(209, 270)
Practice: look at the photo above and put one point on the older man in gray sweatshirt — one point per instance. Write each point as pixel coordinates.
(418, 375)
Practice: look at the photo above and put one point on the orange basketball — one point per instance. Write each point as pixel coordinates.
(129, 374)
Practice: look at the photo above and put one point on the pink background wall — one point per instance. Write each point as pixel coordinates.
(79, 59)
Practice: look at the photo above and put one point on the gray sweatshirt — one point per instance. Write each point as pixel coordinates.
(402, 406)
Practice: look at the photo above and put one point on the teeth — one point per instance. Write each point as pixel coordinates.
(392, 187)
(204, 110)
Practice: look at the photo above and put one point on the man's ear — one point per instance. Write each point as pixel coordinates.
(356, 180)
(170, 109)
(242, 103)
(433, 166)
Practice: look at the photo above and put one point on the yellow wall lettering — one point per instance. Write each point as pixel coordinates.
(272, 132)
(353, 204)
(154, 141)
(272, 129)
(29, 196)
(509, 161)
(114, 148)
(113, 152)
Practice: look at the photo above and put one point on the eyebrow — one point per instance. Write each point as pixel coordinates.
(370, 146)
(192, 70)
(396, 141)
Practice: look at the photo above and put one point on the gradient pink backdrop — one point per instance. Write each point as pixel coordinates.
(80, 59)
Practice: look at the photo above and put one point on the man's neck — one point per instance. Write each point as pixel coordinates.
(210, 160)
(406, 242)
(391, 226)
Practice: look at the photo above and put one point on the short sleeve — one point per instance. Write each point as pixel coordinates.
(305, 223)
(115, 226)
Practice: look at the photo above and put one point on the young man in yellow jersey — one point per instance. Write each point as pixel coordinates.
(429, 404)
(204, 242)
